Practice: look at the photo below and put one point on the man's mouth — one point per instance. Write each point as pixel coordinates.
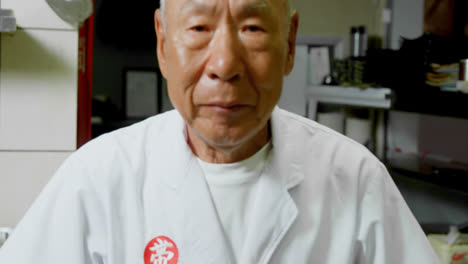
(227, 108)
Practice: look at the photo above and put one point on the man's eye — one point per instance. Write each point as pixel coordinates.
(199, 28)
(253, 28)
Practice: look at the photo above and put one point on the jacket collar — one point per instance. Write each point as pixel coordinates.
(192, 196)
(287, 160)
(191, 216)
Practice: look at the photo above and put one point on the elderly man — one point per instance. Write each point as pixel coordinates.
(227, 177)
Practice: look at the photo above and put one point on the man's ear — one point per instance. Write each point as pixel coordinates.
(161, 41)
(291, 43)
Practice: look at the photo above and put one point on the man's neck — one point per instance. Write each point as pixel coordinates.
(213, 153)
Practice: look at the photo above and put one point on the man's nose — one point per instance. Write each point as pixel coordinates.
(225, 62)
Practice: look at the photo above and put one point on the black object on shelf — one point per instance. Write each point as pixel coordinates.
(434, 102)
(126, 25)
(448, 178)
(404, 71)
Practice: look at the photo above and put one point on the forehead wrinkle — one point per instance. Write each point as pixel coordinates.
(256, 7)
(196, 6)
(259, 5)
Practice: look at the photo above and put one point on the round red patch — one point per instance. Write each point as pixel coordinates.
(161, 250)
(457, 257)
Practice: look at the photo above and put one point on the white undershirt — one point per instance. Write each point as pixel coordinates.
(233, 188)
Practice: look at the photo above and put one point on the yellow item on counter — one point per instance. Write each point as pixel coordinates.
(456, 253)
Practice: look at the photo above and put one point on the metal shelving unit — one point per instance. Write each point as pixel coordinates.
(366, 97)
(377, 100)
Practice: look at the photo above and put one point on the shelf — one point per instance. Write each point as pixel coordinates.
(7, 21)
(424, 101)
(454, 180)
(435, 205)
(354, 96)
(432, 101)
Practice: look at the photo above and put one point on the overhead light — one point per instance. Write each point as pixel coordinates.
(73, 12)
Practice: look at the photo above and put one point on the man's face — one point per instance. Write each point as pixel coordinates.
(224, 62)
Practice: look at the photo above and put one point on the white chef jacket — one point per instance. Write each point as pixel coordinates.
(233, 186)
(327, 200)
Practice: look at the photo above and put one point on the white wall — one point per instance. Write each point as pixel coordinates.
(407, 21)
(335, 17)
(38, 104)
